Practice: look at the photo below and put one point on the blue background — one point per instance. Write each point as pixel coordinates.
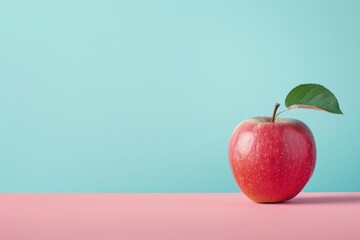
(142, 96)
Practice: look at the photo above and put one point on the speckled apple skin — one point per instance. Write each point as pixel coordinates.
(272, 162)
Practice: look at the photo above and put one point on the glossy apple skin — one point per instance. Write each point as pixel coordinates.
(272, 162)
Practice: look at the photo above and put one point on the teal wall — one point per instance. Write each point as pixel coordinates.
(142, 96)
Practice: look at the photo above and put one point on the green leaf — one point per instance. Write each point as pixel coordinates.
(312, 96)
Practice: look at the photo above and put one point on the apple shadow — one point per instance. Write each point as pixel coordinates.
(324, 200)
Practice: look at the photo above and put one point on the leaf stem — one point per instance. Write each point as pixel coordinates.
(282, 111)
(274, 112)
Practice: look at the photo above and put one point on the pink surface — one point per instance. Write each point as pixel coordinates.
(177, 216)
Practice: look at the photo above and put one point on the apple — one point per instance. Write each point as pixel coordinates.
(272, 159)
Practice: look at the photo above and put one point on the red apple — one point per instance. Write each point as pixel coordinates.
(272, 161)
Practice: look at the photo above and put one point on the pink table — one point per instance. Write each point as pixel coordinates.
(177, 216)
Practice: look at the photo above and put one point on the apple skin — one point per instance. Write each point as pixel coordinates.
(272, 161)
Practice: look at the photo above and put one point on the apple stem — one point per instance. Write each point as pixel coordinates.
(274, 113)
